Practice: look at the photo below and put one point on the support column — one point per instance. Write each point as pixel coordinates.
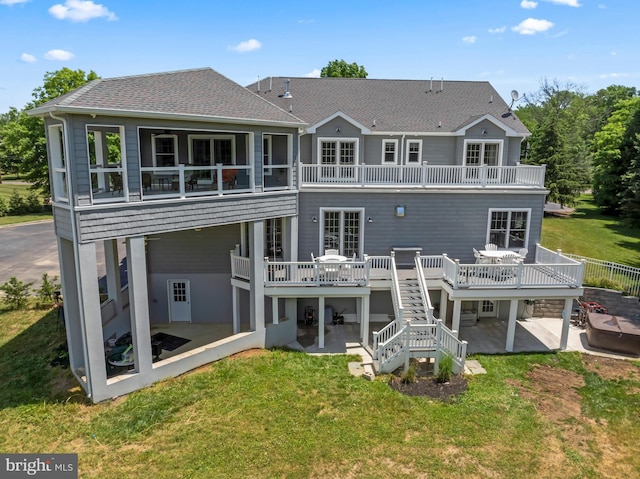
(89, 303)
(364, 326)
(321, 322)
(256, 266)
(511, 328)
(566, 319)
(291, 309)
(112, 264)
(275, 313)
(235, 309)
(139, 304)
(455, 321)
(444, 303)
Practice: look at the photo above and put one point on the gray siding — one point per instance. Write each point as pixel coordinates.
(62, 223)
(144, 219)
(451, 223)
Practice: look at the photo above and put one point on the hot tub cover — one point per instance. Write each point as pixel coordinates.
(615, 333)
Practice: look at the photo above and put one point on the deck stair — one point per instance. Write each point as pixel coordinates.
(415, 332)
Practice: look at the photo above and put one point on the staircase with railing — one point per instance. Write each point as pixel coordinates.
(414, 332)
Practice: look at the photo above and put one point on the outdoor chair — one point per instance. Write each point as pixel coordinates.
(229, 178)
(116, 182)
(490, 247)
(331, 251)
(146, 181)
(523, 252)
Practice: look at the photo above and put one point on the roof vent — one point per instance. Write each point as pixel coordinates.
(286, 93)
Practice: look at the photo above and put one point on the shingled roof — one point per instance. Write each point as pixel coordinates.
(199, 93)
(393, 106)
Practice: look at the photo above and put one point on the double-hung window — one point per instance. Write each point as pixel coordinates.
(165, 150)
(390, 151)
(509, 228)
(414, 152)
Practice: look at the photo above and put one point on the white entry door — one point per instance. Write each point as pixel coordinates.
(487, 309)
(179, 300)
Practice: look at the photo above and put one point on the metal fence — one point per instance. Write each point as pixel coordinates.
(610, 275)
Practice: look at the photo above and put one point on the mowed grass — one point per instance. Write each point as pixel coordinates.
(6, 190)
(289, 415)
(590, 233)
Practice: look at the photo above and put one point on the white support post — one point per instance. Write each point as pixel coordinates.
(444, 303)
(511, 328)
(139, 304)
(256, 265)
(235, 309)
(112, 263)
(364, 325)
(566, 319)
(321, 322)
(274, 310)
(455, 321)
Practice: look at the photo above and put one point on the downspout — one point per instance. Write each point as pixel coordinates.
(75, 260)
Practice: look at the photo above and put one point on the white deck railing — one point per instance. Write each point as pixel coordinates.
(618, 275)
(316, 273)
(396, 297)
(421, 175)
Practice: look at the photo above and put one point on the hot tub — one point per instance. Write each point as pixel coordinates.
(614, 333)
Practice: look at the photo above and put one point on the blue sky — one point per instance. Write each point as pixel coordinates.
(513, 44)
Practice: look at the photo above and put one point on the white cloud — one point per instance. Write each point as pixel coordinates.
(531, 26)
(469, 40)
(12, 2)
(569, 3)
(528, 4)
(26, 58)
(61, 55)
(247, 46)
(315, 73)
(497, 30)
(80, 11)
(614, 53)
(613, 75)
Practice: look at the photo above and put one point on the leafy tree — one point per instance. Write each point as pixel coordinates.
(610, 166)
(340, 68)
(630, 154)
(23, 137)
(558, 116)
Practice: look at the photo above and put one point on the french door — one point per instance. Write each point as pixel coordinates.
(342, 231)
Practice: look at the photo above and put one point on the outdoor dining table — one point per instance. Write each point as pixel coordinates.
(497, 255)
(332, 258)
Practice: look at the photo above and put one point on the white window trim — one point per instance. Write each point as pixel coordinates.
(395, 152)
(324, 210)
(469, 141)
(510, 210)
(337, 141)
(267, 157)
(102, 163)
(153, 148)
(409, 142)
(57, 150)
(211, 138)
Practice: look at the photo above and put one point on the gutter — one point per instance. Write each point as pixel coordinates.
(83, 330)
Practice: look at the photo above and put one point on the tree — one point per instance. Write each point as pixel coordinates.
(630, 155)
(22, 137)
(340, 68)
(610, 166)
(557, 117)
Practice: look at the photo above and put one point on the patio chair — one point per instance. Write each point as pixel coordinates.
(229, 178)
(331, 251)
(523, 252)
(490, 247)
(116, 182)
(479, 258)
(146, 181)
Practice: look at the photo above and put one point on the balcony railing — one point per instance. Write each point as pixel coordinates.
(316, 273)
(421, 176)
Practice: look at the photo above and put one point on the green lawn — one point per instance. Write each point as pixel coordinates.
(6, 190)
(589, 233)
(289, 415)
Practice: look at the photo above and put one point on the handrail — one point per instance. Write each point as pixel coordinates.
(395, 291)
(424, 291)
(424, 175)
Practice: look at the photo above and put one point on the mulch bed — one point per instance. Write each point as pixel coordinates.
(428, 386)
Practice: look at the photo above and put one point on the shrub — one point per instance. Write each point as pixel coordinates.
(445, 368)
(4, 207)
(33, 203)
(16, 293)
(410, 375)
(45, 293)
(17, 205)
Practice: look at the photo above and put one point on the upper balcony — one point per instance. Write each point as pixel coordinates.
(421, 176)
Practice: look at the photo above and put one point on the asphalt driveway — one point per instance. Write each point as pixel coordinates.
(29, 250)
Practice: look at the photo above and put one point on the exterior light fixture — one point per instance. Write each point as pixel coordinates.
(369, 219)
(314, 219)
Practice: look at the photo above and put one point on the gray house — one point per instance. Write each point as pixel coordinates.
(233, 218)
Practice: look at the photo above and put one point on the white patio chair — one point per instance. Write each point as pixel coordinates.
(331, 251)
(491, 247)
(479, 258)
(313, 258)
(523, 252)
